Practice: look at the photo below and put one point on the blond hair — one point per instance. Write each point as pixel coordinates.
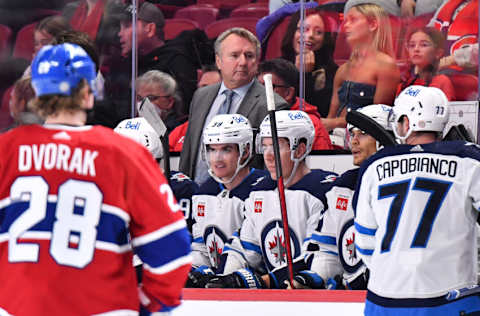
(53, 103)
(382, 39)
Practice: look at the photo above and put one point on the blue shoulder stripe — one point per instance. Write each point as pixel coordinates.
(325, 239)
(250, 246)
(367, 252)
(364, 230)
(198, 240)
(168, 248)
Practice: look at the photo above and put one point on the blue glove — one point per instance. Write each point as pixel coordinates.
(335, 283)
(240, 279)
(199, 277)
(307, 279)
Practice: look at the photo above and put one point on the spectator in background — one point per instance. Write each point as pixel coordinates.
(285, 79)
(153, 52)
(318, 61)
(21, 94)
(237, 53)
(45, 32)
(210, 75)
(371, 75)
(161, 89)
(424, 49)
(47, 29)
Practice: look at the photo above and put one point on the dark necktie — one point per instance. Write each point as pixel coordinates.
(225, 107)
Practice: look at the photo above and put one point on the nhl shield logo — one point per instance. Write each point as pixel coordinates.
(179, 177)
(258, 205)
(201, 209)
(342, 204)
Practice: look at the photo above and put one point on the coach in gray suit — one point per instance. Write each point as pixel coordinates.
(237, 53)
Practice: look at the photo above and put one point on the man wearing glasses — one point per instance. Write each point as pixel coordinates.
(161, 89)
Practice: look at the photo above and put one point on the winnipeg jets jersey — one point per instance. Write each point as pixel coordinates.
(184, 188)
(336, 235)
(218, 213)
(74, 201)
(261, 244)
(416, 209)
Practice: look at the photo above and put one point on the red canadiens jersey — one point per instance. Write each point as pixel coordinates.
(74, 202)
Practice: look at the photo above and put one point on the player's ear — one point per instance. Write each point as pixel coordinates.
(245, 153)
(87, 97)
(301, 149)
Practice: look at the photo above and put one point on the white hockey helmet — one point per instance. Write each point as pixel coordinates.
(425, 107)
(142, 132)
(293, 125)
(378, 112)
(229, 129)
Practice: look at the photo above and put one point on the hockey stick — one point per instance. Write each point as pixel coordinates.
(370, 127)
(466, 291)
(147, 110)
(278, 169)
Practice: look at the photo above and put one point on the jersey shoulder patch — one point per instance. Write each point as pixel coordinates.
(242, 191)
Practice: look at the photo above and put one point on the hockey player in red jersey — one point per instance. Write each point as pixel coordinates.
(75, 200)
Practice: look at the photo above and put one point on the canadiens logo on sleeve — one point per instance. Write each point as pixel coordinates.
(258, 205)
(342, 204)
(201, 209)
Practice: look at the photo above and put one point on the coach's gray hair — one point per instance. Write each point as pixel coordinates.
(164, 80)
(242, 32)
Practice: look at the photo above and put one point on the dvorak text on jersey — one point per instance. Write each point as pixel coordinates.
(57, 156)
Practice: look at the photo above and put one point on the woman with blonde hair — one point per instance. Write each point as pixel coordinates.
(371, 74)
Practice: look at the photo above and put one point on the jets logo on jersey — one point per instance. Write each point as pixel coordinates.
(342, 204)
(257, 181)
(274, 247)
(277, 248)
(258, 204)
(329, 178)
(214, 240)
(201, 209)
(346, 248)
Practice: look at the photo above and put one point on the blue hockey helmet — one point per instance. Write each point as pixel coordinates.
(58, 69)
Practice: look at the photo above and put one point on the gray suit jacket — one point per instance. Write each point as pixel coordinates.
(253, 106)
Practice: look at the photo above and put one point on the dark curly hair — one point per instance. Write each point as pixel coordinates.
(324, 55)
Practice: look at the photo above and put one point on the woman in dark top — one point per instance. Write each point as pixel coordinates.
(371, 74)
(319, 66)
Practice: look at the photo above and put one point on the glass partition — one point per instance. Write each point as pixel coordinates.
(426, 43)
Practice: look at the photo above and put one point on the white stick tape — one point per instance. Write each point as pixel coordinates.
(269, 91)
